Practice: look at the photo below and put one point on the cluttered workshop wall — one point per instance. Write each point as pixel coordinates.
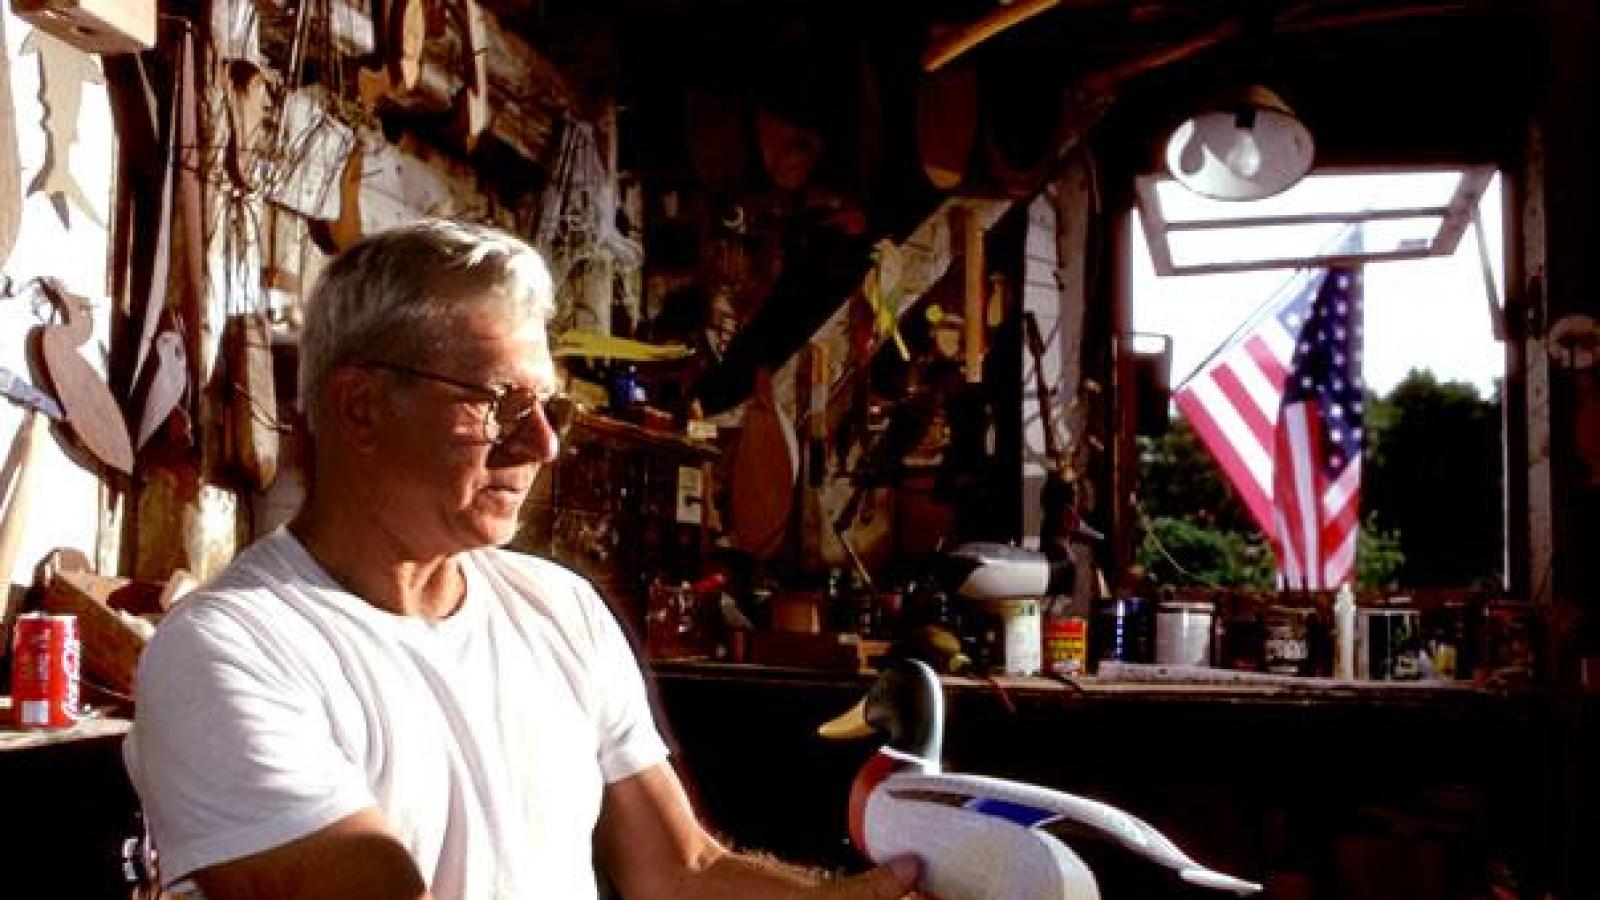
(320, 123)
(56, 146)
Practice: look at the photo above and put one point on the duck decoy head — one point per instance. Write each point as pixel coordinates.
(906, 704)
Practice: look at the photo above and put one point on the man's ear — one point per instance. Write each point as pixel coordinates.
(354, 406)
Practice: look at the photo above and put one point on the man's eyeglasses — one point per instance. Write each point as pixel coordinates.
(509, 407)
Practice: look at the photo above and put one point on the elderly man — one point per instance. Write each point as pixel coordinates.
(374, 702)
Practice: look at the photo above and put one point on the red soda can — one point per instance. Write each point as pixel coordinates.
(44, 671)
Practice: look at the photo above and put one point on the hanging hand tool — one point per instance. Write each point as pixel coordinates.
(20, 485)
(817, 413)
(1060, 522)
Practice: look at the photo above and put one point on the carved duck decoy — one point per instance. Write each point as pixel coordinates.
(981, 838)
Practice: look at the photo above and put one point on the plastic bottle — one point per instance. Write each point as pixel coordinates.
(1344, 633)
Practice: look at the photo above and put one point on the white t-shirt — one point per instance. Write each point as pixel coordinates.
(273, 703)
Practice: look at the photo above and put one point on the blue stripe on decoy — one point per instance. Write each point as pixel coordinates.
(1026, 816)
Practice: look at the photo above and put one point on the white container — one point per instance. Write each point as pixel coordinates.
(1021, 636)
(1344, 633)
(1183, 633)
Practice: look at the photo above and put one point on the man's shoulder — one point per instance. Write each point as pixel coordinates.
(247, 592)
(541, 573)
(527, 583)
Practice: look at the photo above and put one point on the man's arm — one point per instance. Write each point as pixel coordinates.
(356, 856)
(652, 845)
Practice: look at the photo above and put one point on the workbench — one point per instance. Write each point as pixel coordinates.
(1340, 789)
(68, 808)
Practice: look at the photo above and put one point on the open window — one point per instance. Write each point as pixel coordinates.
(1430, 253)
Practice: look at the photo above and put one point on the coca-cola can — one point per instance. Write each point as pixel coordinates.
(44, 671)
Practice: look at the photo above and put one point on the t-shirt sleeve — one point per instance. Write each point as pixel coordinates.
(231, 754)
(628, 739)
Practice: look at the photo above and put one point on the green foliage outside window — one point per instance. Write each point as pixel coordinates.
(1431, 499)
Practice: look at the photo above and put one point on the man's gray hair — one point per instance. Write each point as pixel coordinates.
(398, 289)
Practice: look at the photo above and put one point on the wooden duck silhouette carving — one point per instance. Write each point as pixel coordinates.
(91, 411)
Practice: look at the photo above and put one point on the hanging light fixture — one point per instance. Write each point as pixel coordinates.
(1245, 145)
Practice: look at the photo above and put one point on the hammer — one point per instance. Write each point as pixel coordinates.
(17, 483)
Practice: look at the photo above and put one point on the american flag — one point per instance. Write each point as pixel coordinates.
(1281, 411)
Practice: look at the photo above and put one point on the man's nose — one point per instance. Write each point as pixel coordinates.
(535, 439)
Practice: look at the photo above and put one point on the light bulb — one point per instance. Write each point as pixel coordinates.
(1244, 157)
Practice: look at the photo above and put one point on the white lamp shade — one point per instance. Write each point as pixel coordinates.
(1247, 147)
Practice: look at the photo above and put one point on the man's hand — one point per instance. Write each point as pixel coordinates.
(650, 843)
(893, 881)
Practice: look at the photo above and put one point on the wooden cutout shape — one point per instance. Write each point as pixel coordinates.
(92, 413)
(947, 124)
(63, 71)
(339, 234)
(10, 165)
(472, 103)
(169, 379)
(404, 29)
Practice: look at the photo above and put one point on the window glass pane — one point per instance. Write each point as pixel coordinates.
(1246, 242)
(1318, 194)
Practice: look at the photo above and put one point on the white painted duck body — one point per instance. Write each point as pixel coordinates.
(980, 838)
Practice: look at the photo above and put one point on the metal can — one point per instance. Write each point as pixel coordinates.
(1183, 633)
(1387, 641)
(45, 657)
(1121, 630)
(1286, 648)
(1066, 645)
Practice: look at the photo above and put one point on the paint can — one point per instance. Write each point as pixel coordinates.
(1121, 630)
(1287, 642)
(1183, 633)
(1066, 645)
(1387, 641)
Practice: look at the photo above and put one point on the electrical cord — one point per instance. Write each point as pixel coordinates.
(1151, 538)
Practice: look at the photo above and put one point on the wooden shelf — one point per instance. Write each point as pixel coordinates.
(1248, 689)
(604, 426)
(92, 729)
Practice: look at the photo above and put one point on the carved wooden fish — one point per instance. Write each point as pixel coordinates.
(63, 71)
(10, 177)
